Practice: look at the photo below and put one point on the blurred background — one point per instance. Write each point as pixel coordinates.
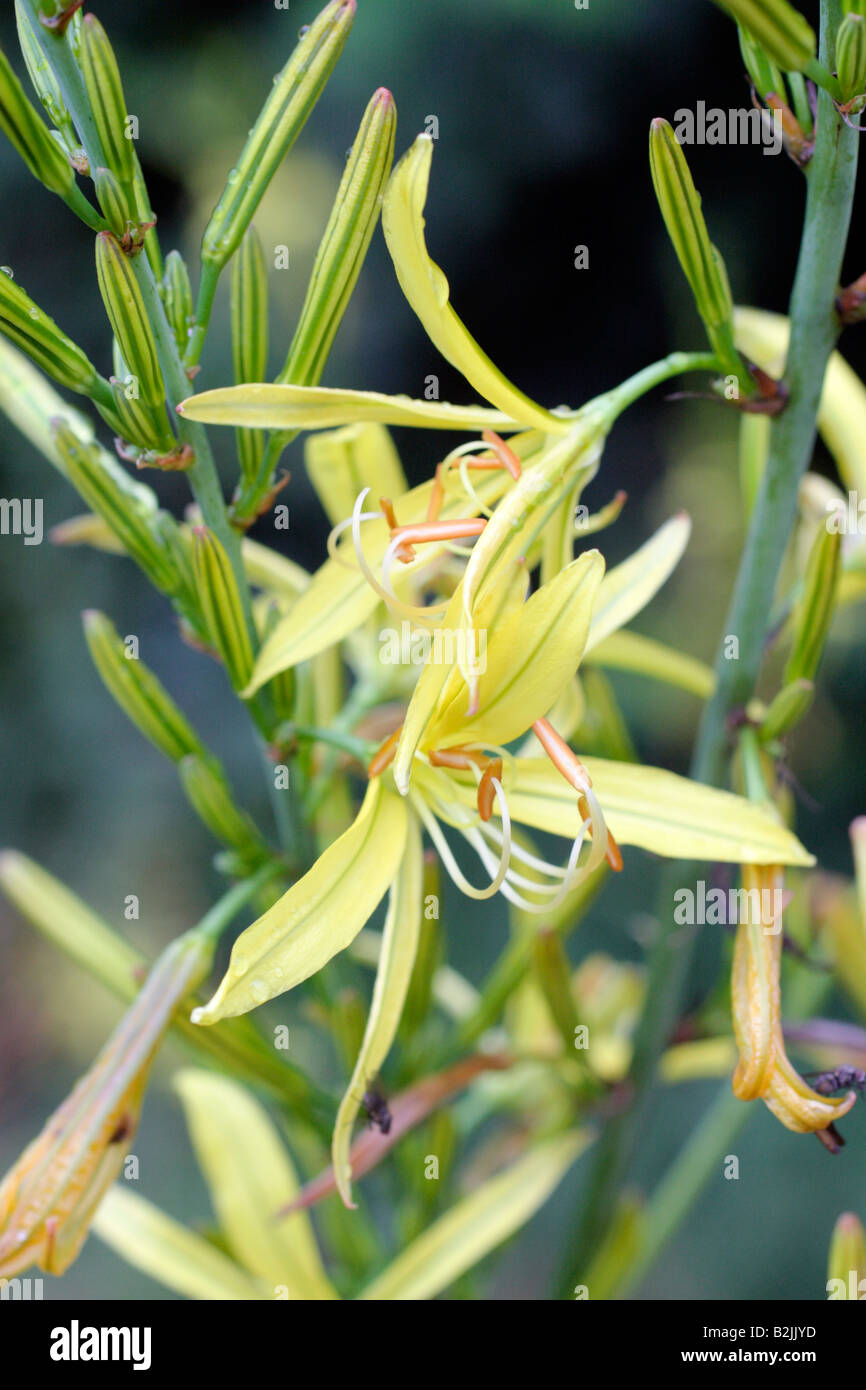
(542, 114)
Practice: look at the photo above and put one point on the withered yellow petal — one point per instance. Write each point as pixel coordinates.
(396, 959)
(427, 291)
(319, 915)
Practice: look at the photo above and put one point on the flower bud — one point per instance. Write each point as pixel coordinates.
(177, 298)
(211, 799)
(47, 1200)
(782, 31)
(125, 308)
(294, 94)
(680, 206)
(763, 72)
(344, 242)
(140, 695)
(851, 56)
(792, 704)
(143, 426)
(105, 95)
(814, 612)
(249, 319)
(41, 75)
(105, 495)
(846, 1264)
(221, 607)
(31, 138)
(30, 329)
(112, 201)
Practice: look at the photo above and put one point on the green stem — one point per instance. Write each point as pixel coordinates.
(210, 275)
(675, 364)
(814, 331)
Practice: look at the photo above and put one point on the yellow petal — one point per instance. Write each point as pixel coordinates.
(628, 587)
(319, 915)
(268, 406)
(396, 959)
(341, 463)
(427, 291)
(654, 809)
(763, 337)
(530, 659)
(153, 1242)
(250, 1177)
(630, 651)
(797, 1106)
(478, 1223)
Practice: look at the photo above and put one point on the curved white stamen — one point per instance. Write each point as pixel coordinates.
(388, 561)
(455, 873)
(337, 531)
(396, 605)
(573, 876)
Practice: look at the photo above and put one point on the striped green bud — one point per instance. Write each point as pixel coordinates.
(211, 799)
(31, 137)
(763, 72)
(295, 92)
(41, 74)
(106, 496)
(249, 320)
(854, 7)
(177, 297)
(786, 36)
(344, 243)
(792, 704)
(814, 612)
(127, 316)
(112, 200)
(221, 607)
(136, 422)
(31, 330)
(702, 266)
(142, 697)
(851, 56)
(105, 95)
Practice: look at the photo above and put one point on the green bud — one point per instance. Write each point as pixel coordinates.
(847, 1257)
(344, 243)
(125, 308)
(249, 318)
(177, 298)
(851, 56)
(782, 31)
(294, 94)
(792, 704)
(221, 607)
(854, 6)
(140, 695)
(41, 74)
(814, 612)
(211, 799)
(31, 330)
(105, 95)
(553, 973)
(20, 123)
(112, 201)
(680, 206)
(106, 496)
(764, 73)
(135, 422)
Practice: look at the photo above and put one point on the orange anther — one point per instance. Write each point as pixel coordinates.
(460, 758)
(422, 531)
(563, 758)
(403, 552)
(507, 456)
(486, 789)
(437, 495)
(384, 756)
